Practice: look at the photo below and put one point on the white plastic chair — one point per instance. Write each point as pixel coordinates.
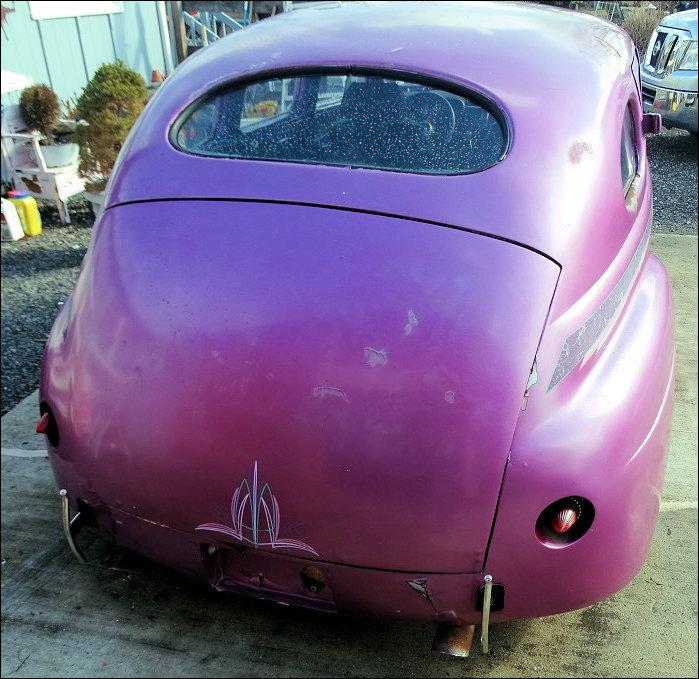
(46, 173)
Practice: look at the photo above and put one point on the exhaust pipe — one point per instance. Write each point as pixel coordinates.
(453, 640)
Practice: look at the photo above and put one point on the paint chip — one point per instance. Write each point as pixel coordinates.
(412, 322)
(449, 396)
(335, 392)
(375, 357)
(578, 150)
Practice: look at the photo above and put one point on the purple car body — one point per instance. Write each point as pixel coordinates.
(277, 373)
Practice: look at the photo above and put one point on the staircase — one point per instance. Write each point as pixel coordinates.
(206, 21)
(204, 27)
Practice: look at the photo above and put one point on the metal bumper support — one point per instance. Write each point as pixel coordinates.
(71, 527)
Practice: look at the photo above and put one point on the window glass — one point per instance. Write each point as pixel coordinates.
(345, 119)
(629, 157)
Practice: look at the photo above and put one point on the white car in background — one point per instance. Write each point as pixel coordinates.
(669, 71)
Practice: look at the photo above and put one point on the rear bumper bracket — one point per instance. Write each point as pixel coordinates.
(71, 527)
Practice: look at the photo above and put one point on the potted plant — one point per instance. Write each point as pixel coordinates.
(106, 110)
(41, 111)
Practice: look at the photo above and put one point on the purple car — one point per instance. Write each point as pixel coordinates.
(369, 323)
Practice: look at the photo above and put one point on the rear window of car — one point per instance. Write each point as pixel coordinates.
(369, 121)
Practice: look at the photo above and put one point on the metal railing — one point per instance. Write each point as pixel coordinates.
(613, 9)
(207, 27)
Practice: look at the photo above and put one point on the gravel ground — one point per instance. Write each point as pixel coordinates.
(673, 164)
(37, 273)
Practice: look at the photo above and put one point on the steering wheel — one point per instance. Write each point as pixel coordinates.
(431, 115)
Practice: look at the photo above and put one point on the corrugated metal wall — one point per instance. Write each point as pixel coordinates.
(64, 53)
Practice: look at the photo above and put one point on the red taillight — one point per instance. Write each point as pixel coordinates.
(47, 424)
(564, 520)
(43, 424)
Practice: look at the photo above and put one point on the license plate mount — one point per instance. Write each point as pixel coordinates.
(271, 577)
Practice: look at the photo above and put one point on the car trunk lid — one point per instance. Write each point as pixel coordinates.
(317, 382)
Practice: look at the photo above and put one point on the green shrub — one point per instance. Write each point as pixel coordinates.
(40, 109)
(109, 104)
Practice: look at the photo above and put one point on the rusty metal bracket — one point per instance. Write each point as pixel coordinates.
(71, 527)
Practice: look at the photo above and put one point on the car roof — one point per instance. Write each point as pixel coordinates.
(457, 38)
(561, 78)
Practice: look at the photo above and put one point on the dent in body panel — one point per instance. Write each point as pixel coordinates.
(420, 586)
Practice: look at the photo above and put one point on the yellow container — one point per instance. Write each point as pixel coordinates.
(27, 211)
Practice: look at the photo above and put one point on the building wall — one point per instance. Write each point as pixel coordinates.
(65, 52)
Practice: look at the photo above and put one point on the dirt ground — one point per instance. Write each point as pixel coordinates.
(123, 616)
